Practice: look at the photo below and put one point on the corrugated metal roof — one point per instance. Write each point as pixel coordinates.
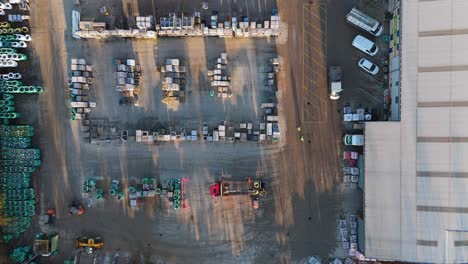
(430, 85)
(382, 205)
(432, 15)
(427, 211)
(434, 51)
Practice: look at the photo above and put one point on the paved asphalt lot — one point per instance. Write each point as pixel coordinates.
(299, 217)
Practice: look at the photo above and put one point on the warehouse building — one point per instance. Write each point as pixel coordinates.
(416, 170)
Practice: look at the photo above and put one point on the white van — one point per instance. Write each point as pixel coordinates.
(365, 45)
(364, 22)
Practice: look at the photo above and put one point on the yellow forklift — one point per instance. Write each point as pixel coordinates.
(89, 244)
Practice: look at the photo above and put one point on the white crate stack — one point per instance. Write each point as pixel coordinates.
(351, 174)
(353, 224)
(360, 114)
(224, 131)
(220, 81)
(221, 131)
(80, 82)
(11, 76)
(173, 80)
(344, 235)
(183, 26)
(253, 29)
(275, 25)
(17, 18)
(173, 65)
(175, 26)
(128, 78)
(144, 22)
(144, 136)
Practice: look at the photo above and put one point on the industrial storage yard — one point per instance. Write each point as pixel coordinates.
(137, 133)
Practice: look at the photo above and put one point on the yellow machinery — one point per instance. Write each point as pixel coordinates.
(92, 243)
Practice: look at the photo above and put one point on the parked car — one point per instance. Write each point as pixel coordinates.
(353, 140)
(368, 66)
(365, 45)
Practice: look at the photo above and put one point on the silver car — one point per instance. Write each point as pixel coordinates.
(368, 66)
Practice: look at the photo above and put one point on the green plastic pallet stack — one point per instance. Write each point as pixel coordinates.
(17, 161)
(22, 154)
(175, 186)
(17, 30)
(17, 158)
(6, 50)
(7, 110)
(15, 142)
(21, 89)
(177, 194)
(16, 131)
(10, 181)
(20, 254)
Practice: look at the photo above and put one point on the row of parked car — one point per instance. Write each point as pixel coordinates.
(362, 21)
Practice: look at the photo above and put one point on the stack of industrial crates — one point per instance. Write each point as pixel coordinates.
(275, 23)
(12, 39)
(144, 22)
(220, 81)
(116, 190)
(344, 233)
(128, 78)
(353, 224)
(351, 170)
(174, 192)
(11, 82)
(17, 87)
(7, 110)
(7, 87)
(144, 136)
(173, 81)
(17, 161)
(90, 186)
(147, 189)
(271, 75)
(81, 80)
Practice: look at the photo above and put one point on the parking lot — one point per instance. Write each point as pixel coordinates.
(360, 88)
(298, 218)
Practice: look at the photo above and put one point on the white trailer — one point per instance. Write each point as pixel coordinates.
(268, 105)
(79, 79)
(269, 130)
(79, 104)
(272, 118)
